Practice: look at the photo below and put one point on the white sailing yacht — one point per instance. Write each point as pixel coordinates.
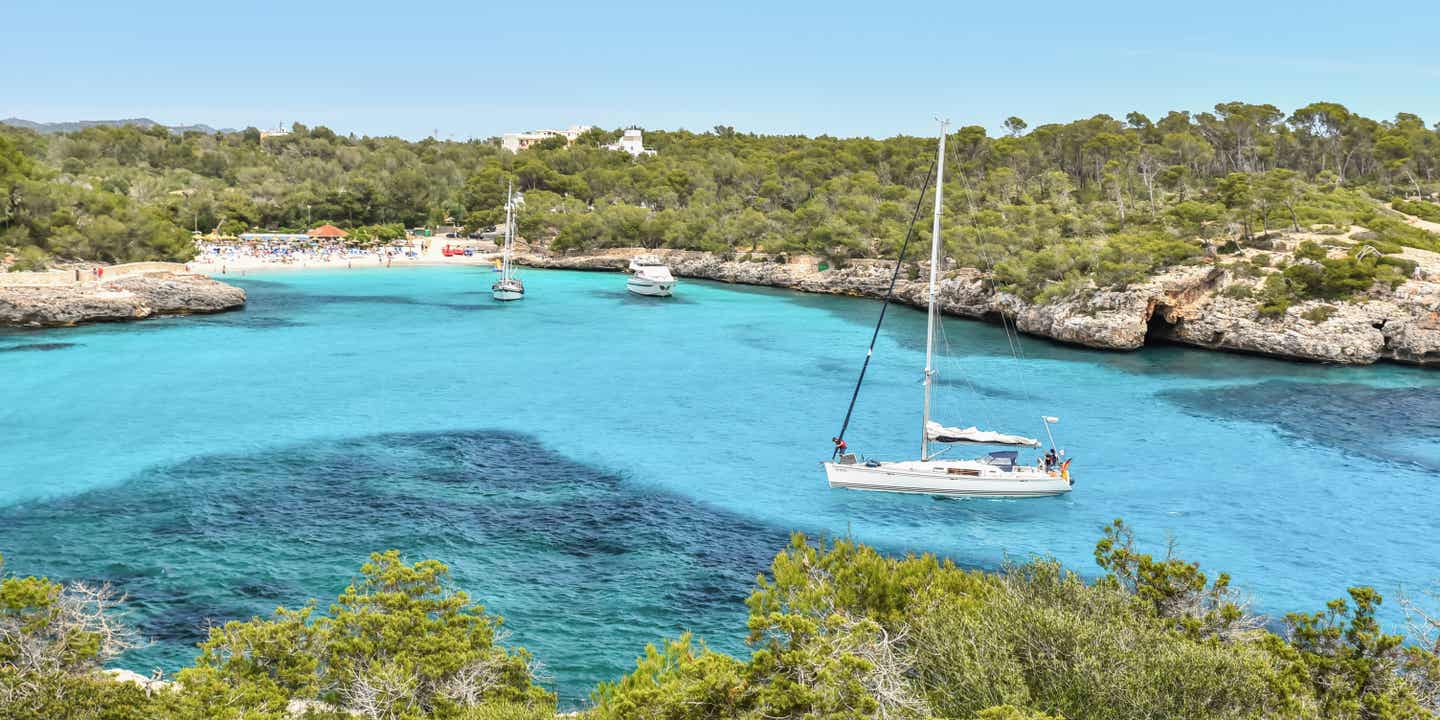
(649, 275)
(508, 287)
(998, 474)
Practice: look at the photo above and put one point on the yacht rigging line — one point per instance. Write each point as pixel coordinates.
(1013, 340)
(885, 302)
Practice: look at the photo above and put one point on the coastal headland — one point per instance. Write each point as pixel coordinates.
(133, 291)
(1193, 305)
(1188, 304)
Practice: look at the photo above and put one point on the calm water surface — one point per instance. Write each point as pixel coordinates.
(605, 470)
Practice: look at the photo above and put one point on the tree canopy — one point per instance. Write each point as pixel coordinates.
(1050, 208)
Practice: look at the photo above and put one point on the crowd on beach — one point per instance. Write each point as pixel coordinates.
(248, 255)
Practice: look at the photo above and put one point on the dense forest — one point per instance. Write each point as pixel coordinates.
(1050, 209)
(836, 631)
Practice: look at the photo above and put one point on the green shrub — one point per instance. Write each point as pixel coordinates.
(1238, 291)
(1386, 247)
(1319, 313)
(54, 639)
(1396, 231)
(401, 642)
(1054, 271)
(1274, 296)
(1404, 265)
(31, 259)
(1329, 279)
(1273, 307)
(1309, 250)
(1241, 268)
(1422, 209)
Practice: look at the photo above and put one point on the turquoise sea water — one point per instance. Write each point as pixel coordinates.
(606, 470)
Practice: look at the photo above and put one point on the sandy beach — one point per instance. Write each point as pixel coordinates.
(241, 263)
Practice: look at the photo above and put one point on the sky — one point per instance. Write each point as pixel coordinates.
(477, 69)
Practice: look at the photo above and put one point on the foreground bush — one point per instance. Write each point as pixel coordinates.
(840, 631)
(53, 641)
(837, 631)
(400, 643)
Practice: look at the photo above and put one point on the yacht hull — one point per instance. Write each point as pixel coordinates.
(507, 290)
(950, 479)
(649, 288)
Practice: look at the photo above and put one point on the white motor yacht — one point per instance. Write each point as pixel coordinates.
(649, 275)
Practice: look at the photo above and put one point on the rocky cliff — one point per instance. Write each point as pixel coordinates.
(1183, 305)
(133, 297)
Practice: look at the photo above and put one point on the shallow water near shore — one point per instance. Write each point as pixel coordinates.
(606, 470)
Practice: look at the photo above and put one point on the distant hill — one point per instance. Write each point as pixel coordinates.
(60, 127)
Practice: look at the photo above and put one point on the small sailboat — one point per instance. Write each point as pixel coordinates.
(508, 287)
(649, 275)
(998, 474)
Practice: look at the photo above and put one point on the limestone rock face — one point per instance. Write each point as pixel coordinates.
(171, 294)
(130, 298)
(1404, 326)
(1227, 324)
(1181, 305)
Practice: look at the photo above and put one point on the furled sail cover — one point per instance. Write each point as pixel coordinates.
(975, 436)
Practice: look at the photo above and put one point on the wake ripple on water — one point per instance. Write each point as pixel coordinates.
(585, 568)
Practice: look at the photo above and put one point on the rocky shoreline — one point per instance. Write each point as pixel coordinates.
(133, 296)
(1183, 305)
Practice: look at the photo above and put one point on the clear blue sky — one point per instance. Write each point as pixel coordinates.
(476, 69)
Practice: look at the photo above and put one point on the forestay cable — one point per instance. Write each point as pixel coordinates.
(885, 302)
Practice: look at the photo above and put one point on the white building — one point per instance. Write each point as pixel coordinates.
(632, 142)
(515, 142)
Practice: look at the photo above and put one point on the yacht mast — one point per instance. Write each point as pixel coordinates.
(509, 229)
(933, 311)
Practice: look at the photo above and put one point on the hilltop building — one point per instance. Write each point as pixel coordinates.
(279, 131)
(633, 142)
(515, 142)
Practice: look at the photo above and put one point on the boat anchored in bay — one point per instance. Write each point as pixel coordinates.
(649, 275)
(508, 287)
(998, 474)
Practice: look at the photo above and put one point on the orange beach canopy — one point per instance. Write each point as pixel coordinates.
(327, 232)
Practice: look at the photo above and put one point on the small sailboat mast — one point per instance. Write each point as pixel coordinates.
(509, 231)
(509, 287)
(933, 311)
